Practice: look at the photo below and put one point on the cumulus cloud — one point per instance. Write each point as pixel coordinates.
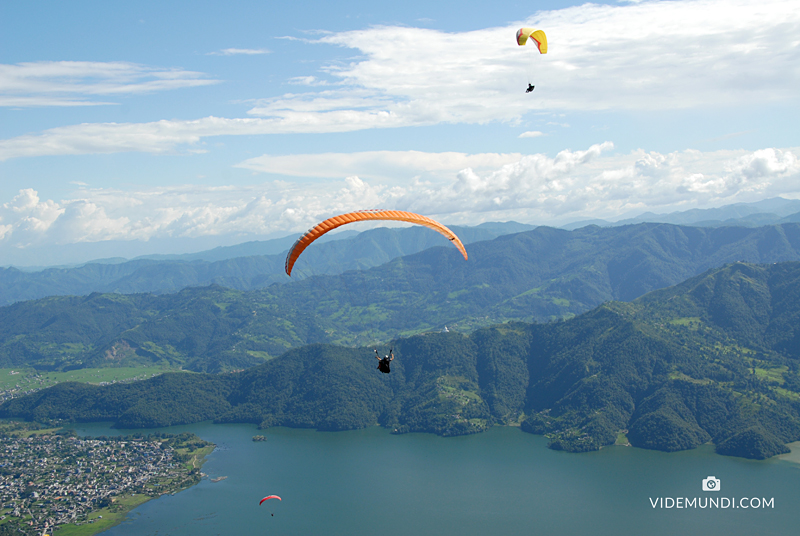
(531, 134)
(647, 55)
(27, 218)
(534, 188)
(77, 83)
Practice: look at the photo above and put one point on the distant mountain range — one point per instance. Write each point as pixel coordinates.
(767, 212)
(232, 266)
(36, 258)
(715, 358)
(539, 275)
(245, 266)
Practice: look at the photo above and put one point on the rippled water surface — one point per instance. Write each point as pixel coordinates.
(507, 482)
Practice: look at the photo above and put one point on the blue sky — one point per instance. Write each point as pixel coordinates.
(197, 123)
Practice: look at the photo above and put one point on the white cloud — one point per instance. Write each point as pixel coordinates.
(643, 56)
(27, 218)
(531, 134)
(76, 83)
(531, 188)
(239, 51)
(20, 101)
(386, 164)
(752, 172)
(651, 55)
(307, 81)
(156, 137)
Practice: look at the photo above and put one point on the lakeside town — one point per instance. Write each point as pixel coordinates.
(49, 478)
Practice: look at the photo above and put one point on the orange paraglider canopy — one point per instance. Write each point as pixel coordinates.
(365, 215)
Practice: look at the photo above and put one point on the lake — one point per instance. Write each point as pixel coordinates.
(504, 481)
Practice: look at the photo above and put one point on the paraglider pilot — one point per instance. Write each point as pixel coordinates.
(383, 363)
(530, 88)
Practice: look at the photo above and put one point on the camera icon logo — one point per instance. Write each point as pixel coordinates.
(711, 484)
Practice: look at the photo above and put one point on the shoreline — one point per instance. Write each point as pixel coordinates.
(102, 519)
(793, 456)
(111, 516)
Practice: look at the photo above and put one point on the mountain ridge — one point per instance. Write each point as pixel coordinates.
(538, 275)
(667, 370)
(333, 254)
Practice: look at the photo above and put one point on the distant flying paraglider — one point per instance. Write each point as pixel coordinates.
(268, 497)
(538, 37)
(366, 215)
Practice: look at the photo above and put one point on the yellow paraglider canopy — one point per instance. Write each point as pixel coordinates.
(537, 35)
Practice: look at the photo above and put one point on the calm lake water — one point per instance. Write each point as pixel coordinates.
(503, 482)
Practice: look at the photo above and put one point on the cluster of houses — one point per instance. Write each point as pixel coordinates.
(51, 480)
(18, 390)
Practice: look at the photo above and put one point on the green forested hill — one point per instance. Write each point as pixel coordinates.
(538, 275)
(714, 358)
(209, 328)
(705, 360)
